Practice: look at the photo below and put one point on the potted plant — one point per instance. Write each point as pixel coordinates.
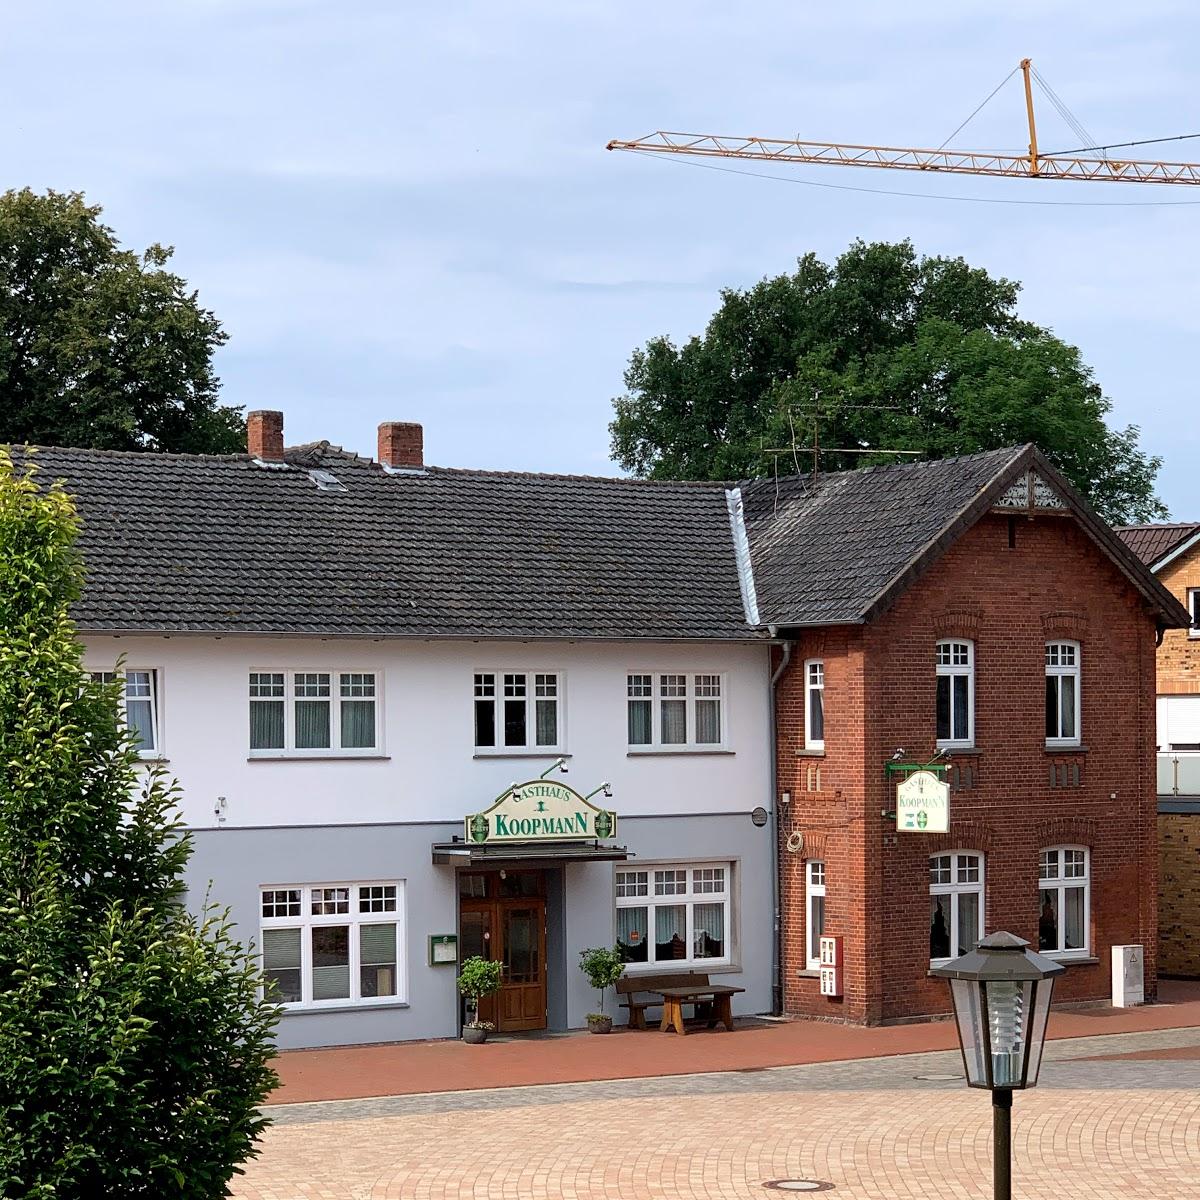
(603, 967)
(477, 979)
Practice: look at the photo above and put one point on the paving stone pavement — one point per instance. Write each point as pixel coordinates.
(876, 1129)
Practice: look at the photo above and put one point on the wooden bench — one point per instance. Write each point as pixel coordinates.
(641, 992)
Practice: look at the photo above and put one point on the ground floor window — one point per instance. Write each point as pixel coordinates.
(332, 943)
(1063, 884)
(678, 913)
(955, 904)
(814, 911)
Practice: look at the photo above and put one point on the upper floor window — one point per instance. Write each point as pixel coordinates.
(814, 912)
(517, 710)
(1063, 884)
(313, 712)
(139, 703)
(955, 904)
(1193, 604)
(1062, 693)
(955, 693)
(814, 705)
(678, 914)
(332, 944)
(666, 709)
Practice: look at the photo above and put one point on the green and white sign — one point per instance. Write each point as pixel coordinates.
(541, 811)
(923, 804)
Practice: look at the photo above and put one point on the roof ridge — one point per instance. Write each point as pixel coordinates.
(174, 455)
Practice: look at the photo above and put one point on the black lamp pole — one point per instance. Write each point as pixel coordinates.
(1002, 1143)
(1001, 992)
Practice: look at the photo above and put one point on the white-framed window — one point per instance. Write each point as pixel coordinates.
(1062, 693)
(676, 913)
(955, 693)
(517, 711)
(1064, 895)
(139, 705)
(305, 713)
(814, 704)
(331, 944)
(955, 904)
(814, 908)
(675, 710)
(1193, 607)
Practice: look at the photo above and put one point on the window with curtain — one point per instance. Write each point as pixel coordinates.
(814, 912)
(814, 704)
(1064, 896)
(314, 713)
(139, 705)
(674, 914)
(329, 944)
(675, 710)
(955, 693)
(956, 891)
(517, 710)
(1062, 693)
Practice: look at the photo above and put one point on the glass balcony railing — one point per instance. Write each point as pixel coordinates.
(1179, 773)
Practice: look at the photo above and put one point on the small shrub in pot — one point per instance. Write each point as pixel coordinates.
(603, 967)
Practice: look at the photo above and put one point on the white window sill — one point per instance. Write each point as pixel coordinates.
(809, 973)
(152, 758)
(1075, 747)
(652, 751)
(1078, 958)
(683, 965)
(289, 1010)
(811, 751)
(316, 756)
(518, 752)
(959, 747)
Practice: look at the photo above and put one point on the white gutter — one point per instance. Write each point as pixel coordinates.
(741, 554)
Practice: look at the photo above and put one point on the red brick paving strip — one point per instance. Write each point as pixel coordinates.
(405, 1068)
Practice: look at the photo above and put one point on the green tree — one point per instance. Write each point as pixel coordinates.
(883, 350)
(100, 346)
(134, 1047)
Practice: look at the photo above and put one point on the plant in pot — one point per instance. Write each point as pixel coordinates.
(603, 967)
(478, 978)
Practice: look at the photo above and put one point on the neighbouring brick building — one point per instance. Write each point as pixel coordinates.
(1172, 552)
(977, 614)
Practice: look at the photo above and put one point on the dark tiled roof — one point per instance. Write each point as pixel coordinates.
(1153, 542)
(200, 543)
(825, 549)
(193, 543)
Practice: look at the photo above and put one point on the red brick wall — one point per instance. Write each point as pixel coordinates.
(880, 694)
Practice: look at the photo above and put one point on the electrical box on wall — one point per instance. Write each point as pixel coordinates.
(1128, 976)
(831, 966)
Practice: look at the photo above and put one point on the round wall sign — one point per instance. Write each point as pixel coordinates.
(759, 816)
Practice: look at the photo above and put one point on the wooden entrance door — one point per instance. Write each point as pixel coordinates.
(503, 918)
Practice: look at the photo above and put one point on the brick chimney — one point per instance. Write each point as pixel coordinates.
(402, 446)
(264, 435)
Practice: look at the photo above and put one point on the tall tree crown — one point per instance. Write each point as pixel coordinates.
(883, 350)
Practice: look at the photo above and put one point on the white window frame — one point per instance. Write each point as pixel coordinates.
(111, 675)
(688, 898)
(957, 887)
(1193, 607)
(307, 921)
(814, 667)
(531, 748)
(691, 685)
(1059, 671)
(814, 885)
(1061, 883)
(951, 669)
(334, 750)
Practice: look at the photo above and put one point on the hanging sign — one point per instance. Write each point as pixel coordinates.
(923, 804)
(541, 811)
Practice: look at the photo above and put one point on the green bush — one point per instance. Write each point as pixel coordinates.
(134, 1045)
(477, 978)
(603, 967)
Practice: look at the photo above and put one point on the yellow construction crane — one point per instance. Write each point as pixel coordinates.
(1034, 165)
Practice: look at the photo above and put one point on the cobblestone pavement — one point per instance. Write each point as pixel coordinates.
(1112, 1117)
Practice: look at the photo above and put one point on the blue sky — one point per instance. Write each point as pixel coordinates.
(406, 211)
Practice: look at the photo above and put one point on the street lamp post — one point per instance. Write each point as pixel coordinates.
(1001, 992)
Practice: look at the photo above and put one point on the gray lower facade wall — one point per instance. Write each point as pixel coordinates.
(231, 864)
